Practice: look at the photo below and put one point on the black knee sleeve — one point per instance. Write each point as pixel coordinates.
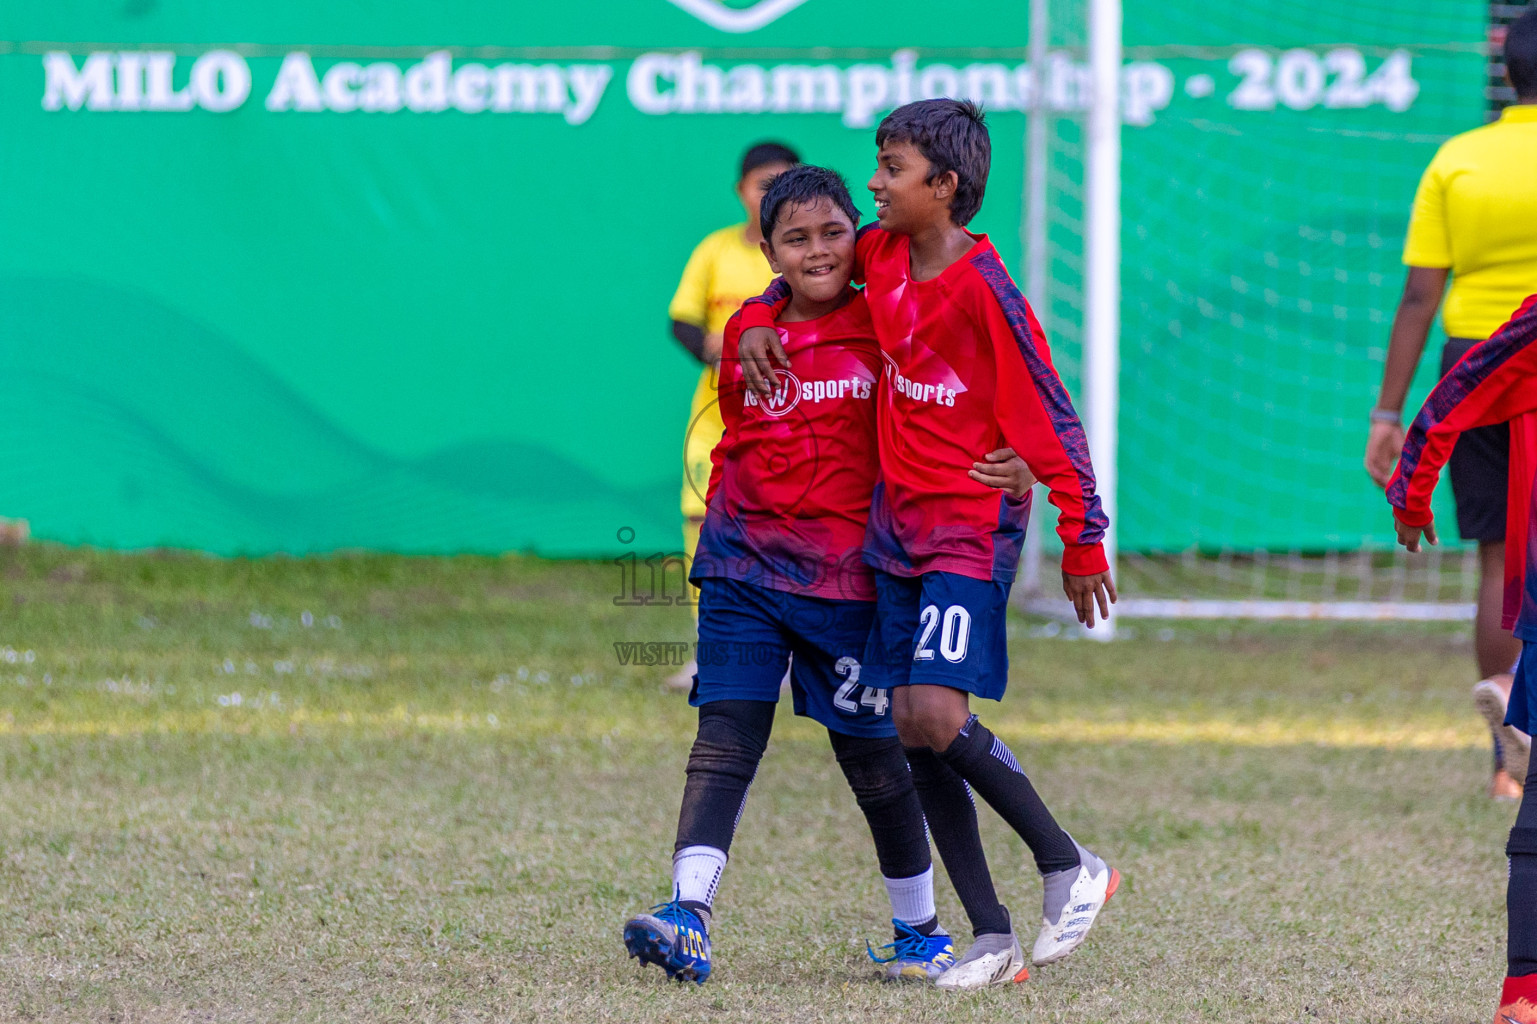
(731, 739)
(876, 771)
(876, 768)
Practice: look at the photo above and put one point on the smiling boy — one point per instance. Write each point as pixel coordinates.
(967, 369)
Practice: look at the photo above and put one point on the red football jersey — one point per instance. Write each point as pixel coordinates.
(1495, 382)
(792, 476)
(967, 370)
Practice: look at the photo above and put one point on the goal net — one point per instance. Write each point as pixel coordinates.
(1267, 169)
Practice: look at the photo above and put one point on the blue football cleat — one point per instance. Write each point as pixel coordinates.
(913, 954)
(674, 938)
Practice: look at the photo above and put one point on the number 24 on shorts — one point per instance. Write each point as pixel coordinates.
(953, 634)
(875, 700)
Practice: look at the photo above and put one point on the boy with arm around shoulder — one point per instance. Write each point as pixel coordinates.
(967, 369)
(780, 574)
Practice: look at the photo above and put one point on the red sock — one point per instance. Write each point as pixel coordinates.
(1518, 1001)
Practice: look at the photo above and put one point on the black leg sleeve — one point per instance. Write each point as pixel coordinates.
(730, 743)
(878, 775)
(985, 762)
(952, 820)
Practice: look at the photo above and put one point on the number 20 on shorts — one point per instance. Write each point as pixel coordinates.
(954, 629)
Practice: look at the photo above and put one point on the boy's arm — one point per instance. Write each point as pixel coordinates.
(691, 337)
(1423, 289)
(1037, 419)
(1496, 381)
(689, 309)
(763, 310)
(729, 395)
(760, 350)
(1428, 255)
(1004, 471)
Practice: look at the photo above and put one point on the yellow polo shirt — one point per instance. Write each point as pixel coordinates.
(723, 273)
(1476, 213)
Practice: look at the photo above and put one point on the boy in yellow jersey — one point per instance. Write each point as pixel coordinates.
(1475, 222)
(725, 270)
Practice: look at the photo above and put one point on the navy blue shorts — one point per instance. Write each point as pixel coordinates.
(748, 633)
(940, 629)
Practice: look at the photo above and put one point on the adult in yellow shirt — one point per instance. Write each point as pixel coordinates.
(725, 270)
(1474, 221)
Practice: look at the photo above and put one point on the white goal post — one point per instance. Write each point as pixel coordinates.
(1102, 265)
(1190, 595)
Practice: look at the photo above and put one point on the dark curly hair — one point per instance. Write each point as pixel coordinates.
(805, 183)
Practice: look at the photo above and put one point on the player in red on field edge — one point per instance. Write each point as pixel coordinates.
(1495, 382)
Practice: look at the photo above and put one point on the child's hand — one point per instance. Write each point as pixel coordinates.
(1383, 444)
(1005, 471)
(1409, 536)
(758, 350)
(1086, 591)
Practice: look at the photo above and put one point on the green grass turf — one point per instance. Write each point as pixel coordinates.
(439, 800)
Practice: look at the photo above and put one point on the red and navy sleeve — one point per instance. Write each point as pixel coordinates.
(1496, 381)
(763, 310)
(1038, 420)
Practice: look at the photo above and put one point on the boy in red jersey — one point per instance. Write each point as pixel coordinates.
(1495, 382)
(779, 571)
(967, 369)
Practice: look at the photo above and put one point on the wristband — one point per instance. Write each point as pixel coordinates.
(1388, 416)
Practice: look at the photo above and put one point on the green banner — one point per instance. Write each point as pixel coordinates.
(288, 277)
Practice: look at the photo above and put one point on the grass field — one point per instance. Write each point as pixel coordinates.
(376, 788)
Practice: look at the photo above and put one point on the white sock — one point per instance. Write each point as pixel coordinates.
(696, 872)
(912, 899)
